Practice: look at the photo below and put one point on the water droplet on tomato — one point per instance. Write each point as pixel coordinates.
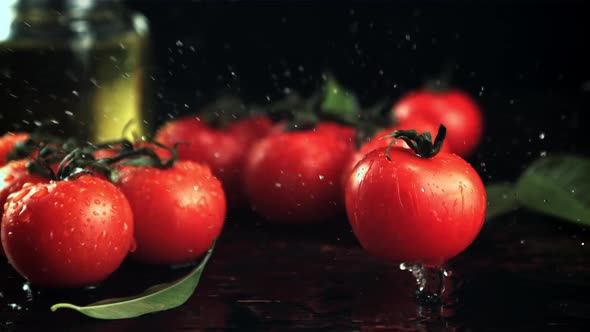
(51, 235)
(195, 188)
(103, 234)
(321, 177)
(97, 202)
(278, 184)
(40, 193)
(95, 213)
(24, 214)
(202, 201)
(19, 196)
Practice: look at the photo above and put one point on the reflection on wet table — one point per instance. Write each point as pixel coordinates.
(264, 277)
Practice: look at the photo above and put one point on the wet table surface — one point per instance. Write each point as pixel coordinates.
(524, 272)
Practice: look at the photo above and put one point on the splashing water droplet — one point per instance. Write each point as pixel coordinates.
(430, 282)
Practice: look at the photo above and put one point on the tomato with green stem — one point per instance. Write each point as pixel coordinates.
(415, 205)
(379, 141)
(71, 233)
(451, 107)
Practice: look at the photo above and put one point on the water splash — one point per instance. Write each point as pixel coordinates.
(430, 282)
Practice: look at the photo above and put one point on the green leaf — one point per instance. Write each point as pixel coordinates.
(156, 298)
(340, 102)
(501, 199)
(557, 186)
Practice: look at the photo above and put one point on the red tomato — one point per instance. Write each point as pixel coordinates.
(455, 109)
(294, 177)
(417, 123)
(178, 211)
(12, 178)
(68, 233)
(414, 209)
(224, 150)
(343, 132)
(7, 143)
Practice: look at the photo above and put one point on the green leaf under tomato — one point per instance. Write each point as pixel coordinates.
(557, 186)
(339, 102)
(501, 199)
(156, 298)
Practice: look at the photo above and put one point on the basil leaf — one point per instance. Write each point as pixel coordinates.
(501, 199)
(340, 103)
(558, 186)
(156, 298)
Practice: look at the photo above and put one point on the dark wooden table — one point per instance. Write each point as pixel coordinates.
(525, 272)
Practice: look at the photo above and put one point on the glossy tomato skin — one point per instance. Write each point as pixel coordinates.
(454, 109)
(344, 132)
(293, 177)
(421, 125)
(178, 212)
(412, 209)
(223, 149)
(7, 142)
(71, 233)
(12, 178)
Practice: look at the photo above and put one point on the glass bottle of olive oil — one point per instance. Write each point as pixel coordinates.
(78, 66)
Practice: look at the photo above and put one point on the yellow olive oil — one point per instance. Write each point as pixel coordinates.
(88, 84)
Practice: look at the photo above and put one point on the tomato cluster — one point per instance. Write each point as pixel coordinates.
(72, 221)
(413, 207)
(64, 224)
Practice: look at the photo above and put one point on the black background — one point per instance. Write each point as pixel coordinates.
(525, 62)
